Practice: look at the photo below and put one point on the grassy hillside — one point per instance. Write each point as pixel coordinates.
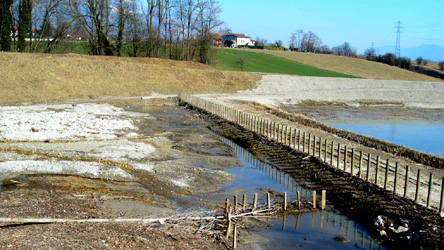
(42, 78)
(350, 66)
(257, 62)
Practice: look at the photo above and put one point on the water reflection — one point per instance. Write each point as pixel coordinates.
(316, 230)
(418, 129)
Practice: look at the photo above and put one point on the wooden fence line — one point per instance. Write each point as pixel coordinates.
(304, 141)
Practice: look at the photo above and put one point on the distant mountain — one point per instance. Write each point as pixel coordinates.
(427, 51)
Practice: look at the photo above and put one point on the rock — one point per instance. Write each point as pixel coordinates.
(342, 239)
(379, 222)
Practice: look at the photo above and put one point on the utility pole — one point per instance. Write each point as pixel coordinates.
(398, 40)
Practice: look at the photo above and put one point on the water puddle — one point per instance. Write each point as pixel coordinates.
(418, 129)
(303, 231)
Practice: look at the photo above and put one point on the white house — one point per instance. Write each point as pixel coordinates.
(235, 40)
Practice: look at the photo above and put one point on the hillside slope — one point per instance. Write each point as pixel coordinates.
(42, 78)
(351, 66)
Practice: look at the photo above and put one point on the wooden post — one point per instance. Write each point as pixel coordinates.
(345, 158)
(309, 143)
(369, 162)
(396, 178)
(285, 201)
(429, 193)
(377, 170)
(339, 155)
(352, 161)
(268, 201)
(387, 169)
(325, 152)
(441, 203)
(229, 224)
(332, 149)
(299, 139)
(406, 184)
(254, 202)
(314, 199)
(360, 164)
(235, 202)
(323, 199)
(314, 145)
(234, 236)
(286, 135)
(418, 183)
(244, 201)
(303, 142)
(227, 204)
(299, 198)
(320, 148)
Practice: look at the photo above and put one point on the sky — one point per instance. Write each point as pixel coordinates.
(358, 22)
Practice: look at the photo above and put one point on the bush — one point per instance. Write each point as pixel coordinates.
(441, 65)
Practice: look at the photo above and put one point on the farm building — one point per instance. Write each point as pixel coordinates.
(235, 40)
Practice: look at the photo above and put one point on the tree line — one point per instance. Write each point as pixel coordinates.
(174, 29)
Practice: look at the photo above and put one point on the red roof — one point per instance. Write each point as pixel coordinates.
(215, 36)
(238, 35)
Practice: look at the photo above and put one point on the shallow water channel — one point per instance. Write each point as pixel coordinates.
(418, 129)
(303, 231)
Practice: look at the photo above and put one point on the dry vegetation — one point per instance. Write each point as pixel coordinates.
(352, 66)
(42, 78)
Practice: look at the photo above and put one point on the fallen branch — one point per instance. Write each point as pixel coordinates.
(130, 220)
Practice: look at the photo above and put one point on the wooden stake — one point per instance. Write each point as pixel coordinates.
(268, 201)
(299, 198)
(395, 185)
(369, 162)
(360, 164)
(244, 201)
(234, 236)
(345, 158)
(332, 152)
(309, 143)
(441, 203)
(235, 202)
(227, 204)
(254, 202)
(339, 155)
(325, 152)
(387, 169)
(429, 194)
(323, 199)
(418, 183)
(377, 170)
(314, 199)
(285, 201)
(352, 161)
(406, 184)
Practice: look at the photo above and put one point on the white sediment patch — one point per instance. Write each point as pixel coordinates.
(84, 169)
(123, 150)
(64, 122)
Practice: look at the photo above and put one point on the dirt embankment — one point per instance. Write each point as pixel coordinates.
(42, 78)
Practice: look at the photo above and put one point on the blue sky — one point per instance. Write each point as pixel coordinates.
(359, 22)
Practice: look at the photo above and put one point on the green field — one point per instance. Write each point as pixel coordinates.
(258, 62)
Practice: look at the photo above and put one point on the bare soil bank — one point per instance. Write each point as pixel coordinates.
(358, 199)
(41, 78)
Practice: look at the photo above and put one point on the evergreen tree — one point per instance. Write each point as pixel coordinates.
(24, 24)
(5, 25)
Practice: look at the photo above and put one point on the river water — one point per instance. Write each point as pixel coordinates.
(304, 231)
(418, 129)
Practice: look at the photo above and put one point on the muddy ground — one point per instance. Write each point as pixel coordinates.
(177, 172)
